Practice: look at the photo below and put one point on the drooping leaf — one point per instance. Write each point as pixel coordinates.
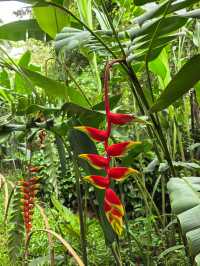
(20, 84)
(54, 88)
(145, 146)
(51, 19)
(21, 30)
(182, 82)
(113, 102)
(4, 79)
(182, 196)
(185, 201)
(86, 116)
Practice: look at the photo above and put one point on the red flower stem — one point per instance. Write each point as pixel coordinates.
(107, 103)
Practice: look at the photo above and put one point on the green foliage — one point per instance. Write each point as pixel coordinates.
(23, 28)
(16, 233)
(185, 201)
(51, 19)
(184, 80)
(41, 89)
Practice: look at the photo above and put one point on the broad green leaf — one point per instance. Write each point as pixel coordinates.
(183, 195)
(197, 260)
(20, 84)
(160, 67)
(4, 79)
(145, 146)
(54, 88)
(113, 102)
(86, 116)
(141, 54)
(193, 239)
(186, 220)
(51, 19)
(25, 59)
(182, 82)
(21, 30)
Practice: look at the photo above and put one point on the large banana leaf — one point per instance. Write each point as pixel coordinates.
(22, 30)
(185, 203)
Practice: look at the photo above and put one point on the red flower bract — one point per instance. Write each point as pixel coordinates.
(120, 173)
(120, 119)
(113, 200)
(95, 160)
(98, 181)
(94, 133)
(114, 210)
(120, 149)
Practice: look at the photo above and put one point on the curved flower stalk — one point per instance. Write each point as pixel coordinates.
(113, 207)
(28, 189)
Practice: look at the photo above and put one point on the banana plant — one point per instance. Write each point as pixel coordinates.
(185, 203)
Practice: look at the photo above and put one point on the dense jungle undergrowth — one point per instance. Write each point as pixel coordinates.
(100, 133)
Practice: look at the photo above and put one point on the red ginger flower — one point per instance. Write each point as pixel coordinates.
(120, 119)
(121, 173)
(94, 133)
(120, 149)
(95, 160)
(98, 181)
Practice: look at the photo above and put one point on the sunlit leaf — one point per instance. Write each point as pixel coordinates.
(182, 82)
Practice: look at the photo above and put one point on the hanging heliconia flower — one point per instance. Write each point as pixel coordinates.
(28, 191)
(113, 207)
(120, 149)
(121, 173)
(98, 181)
(95, 160)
